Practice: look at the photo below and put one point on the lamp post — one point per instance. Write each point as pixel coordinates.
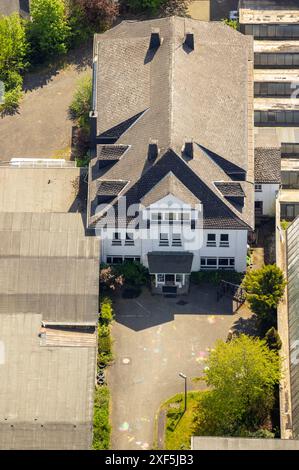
(183, 376)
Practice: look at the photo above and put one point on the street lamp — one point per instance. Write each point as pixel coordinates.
(183, 376)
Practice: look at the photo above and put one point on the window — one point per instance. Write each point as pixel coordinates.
(208, 263)
(116, 239)
(160, 277)
(224, 240)
(114, 259)
(156, 216)
(170, 217)
(184, 216)
(226, 263)
(217, 263)
(179, 278)
(211, 239)
(176, 239)
(164, 239)
(258, 188)
(129, 238)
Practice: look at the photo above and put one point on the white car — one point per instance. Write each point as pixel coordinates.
(234, 15)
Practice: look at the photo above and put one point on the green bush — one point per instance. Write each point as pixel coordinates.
(13, 49)
(215, 277)
(273, 340)
(82, 101)
(264, 289)
(134, 273)
(106, 316)
(101, 422)
(11, 101)
(147, 5)
(284, 224)
(48, 32)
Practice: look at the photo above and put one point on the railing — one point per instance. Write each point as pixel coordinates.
(39, 163)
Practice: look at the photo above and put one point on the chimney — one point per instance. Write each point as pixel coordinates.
(153, 150)
(156, 40)
(188, 148)
(189, 40)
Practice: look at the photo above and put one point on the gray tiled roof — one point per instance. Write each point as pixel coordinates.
(110, 188)
(111, 152)
(172, 95)
(230, 189)
(267, 165)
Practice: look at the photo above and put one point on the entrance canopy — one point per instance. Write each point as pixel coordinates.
(179, 262)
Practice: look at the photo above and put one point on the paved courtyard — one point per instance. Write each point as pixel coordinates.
(155, 338)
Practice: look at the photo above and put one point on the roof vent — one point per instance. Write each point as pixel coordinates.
(156, 39)
(188, 148)
(189, 41)
(153, 150)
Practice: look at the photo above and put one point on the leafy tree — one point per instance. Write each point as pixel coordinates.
(273, 340)
(48, 31)
(13, 50)
(242, 375)
(175, 7)
(140, 5)
(110, 279)
(264, 289)
(97, 14)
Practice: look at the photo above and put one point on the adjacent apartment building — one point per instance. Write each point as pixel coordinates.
(171, 181)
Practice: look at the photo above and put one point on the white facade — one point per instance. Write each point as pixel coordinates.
(266, 194)
(212, 249)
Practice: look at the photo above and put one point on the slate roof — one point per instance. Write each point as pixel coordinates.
(230, 189)
(171, 95)
(166, 262)
(267, 165)
(111, 152)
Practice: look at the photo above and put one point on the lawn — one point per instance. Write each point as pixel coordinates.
(179, 425)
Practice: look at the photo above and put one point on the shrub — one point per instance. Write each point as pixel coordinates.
(175, 7)
(11, 101)
(133, 273)
(273, 340)
(284, 224)
(147, 5)
(232, 23)
(109, 278)
(264, 289)
(101, 423)
(81, 104)
(48, 32)
(215, 277)
(106, 316)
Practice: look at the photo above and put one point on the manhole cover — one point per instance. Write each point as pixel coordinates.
(126, 360)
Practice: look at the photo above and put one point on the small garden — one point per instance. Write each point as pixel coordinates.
(101, 420)
(241, 376)
(129, 276)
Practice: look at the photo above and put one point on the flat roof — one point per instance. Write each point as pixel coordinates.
(275, 75)
(236, 443)
(41, 189)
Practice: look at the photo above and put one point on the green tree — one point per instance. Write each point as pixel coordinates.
(149, 5)
(264, 289)
(242, 375)
(48, 31)
(273, 340)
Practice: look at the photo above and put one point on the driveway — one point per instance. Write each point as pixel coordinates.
(155, 339)
(42, 128)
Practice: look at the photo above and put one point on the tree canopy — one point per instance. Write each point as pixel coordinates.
(241, 375)
(13, 49)
(48, 31)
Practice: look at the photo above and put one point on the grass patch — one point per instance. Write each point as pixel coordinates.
(101, 422)
(179, 425)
